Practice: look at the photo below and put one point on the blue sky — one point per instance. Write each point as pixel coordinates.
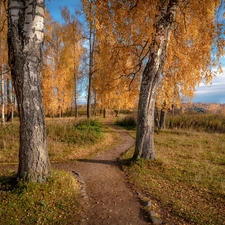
(53, 6)
(214, 93)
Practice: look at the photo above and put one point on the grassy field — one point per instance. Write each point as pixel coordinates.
(67, 139)
(186, 184)
(58, 200)
(188, 177)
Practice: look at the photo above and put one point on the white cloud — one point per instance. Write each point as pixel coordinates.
(214, 93)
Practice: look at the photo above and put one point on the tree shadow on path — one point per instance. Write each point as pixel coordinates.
(118, 163)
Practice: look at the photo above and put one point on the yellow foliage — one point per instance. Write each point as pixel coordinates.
(124, 33)
(61, 62)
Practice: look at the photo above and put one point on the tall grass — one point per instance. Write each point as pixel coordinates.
(67, 139)
(200, 122)
(81, 132)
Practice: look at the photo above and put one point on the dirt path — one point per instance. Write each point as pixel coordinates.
(109, 199)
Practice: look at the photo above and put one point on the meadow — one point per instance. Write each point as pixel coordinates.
(186, 184)
(187, 180)
(58, 201)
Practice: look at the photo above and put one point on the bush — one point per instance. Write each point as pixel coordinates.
(128, 122)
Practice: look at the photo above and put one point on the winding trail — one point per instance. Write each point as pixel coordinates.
(109, 200)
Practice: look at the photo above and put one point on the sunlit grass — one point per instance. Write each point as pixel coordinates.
(201, 122)
(67, 139)
(58, 200)
(188, 176)
(54, 202)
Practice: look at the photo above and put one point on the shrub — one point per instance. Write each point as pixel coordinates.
(128, 122)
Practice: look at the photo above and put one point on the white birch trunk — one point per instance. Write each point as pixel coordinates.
(144, 147)
(25, 39)
(3, 96)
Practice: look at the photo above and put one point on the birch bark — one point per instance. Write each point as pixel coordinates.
(25, 39)
(144, 147)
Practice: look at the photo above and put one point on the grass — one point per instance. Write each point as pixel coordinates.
(58, 200)
(187, 178)
(200, 122)
(54, 202)
(9, 142)
(67, 139)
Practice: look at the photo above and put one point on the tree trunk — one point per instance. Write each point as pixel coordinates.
(104, 113)
(3, 96)
(75, 94)
(156, 117)
(173, 110)
(162, 119)
(9, 101)
(90, 73)
(89, 95)
(91, 61)
(25, 40)
(13, 104)
(144, 147)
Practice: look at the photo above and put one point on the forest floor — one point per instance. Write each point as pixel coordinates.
(108, 197)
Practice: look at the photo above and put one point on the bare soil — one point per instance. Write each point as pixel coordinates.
(108, 198)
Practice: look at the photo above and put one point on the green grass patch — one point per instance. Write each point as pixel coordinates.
(54, 202)
(188, 176)
(72, 132)
(67, 139)
(9, 142)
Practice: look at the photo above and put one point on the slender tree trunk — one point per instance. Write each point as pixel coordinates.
(75, 95)
(156, 117)
(173, 110)
(162, 119)
(90, 74)
(13, 104)
(75, 74)
(91, 61)
(25, 40)
(104, 113)
(3, 95)
(95, 104)
(144, 147)
(9, 101)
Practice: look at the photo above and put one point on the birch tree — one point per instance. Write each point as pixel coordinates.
(3, 59)
(72, 33)
(25, 39)
(89, 9)
(146, 31)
